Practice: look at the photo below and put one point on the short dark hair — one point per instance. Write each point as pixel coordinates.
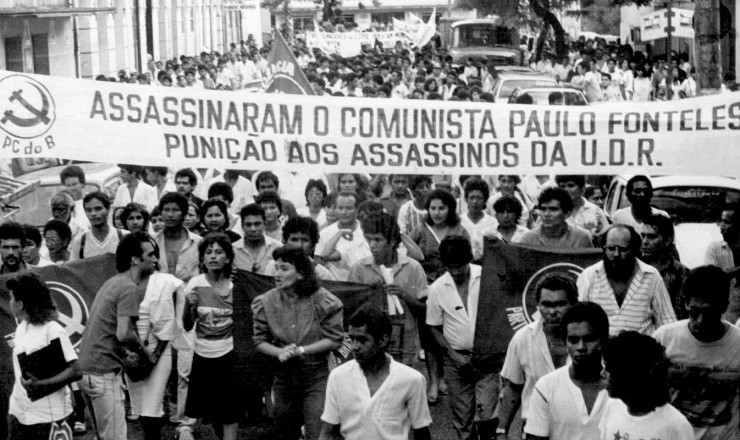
(591, 313)
(385, 224)
(640, 361)
(29, 288)
(269, 197)
(218, 204)
(72, 171)
(267, 175)
(455, 249)
(556, 193)
(221, 189)
(662, 224)
(62, 229)
(32, 233)
(162, 171)
(638, 178)
(448, 200)
(557, 281)
(707, 282)
(318, 184)
(222, 240)
(590, 190)
(97, 195)
(303, 265)
(132, 169)
(12, 231)
(130, 209)
(190, 174)
(418, 179)
(477, 184)
(176, 198)
(129, 247)
(376, 321)
(349, 194)
(369, 207)
(509, 203)
(635, 239)
(578, 179)
(252, 209)
(299, 224)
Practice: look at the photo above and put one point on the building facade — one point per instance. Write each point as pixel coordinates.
(86, 38)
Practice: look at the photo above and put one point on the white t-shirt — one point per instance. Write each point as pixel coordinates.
(557, 409)
(57, 405)
(664, 423)
(94, 247)
(705, 379)
(400, 402)
(144, 195)
(476, 231)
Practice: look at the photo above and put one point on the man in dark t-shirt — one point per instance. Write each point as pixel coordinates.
(110, 328)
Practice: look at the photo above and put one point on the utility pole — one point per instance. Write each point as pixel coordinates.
(669, 39)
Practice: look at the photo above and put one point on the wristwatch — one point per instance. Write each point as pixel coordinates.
(301, 350)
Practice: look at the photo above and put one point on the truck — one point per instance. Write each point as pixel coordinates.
(484, 40)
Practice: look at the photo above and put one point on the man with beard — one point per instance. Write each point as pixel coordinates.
(538, 348)
(704, 352)
(568, 403)
(657, 250)
(373, 396)
(12, 242)
(631, 292)
(724, 253)
(102, 238)
(639, 193)
(254, 252)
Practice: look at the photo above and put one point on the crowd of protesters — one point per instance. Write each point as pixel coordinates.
(178, 235)
(604, 72)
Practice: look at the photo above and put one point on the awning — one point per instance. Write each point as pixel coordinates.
(52, 12)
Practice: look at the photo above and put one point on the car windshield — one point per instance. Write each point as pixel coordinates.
(34, 207)
(542, 97)
(693, 204)
(508, 86)
(483, 34)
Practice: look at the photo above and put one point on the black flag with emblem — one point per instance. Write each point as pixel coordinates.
(510, 273)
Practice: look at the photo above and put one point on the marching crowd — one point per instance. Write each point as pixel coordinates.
(636, 348)
(604, 72)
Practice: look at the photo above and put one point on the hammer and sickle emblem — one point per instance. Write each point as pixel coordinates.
(41, 115)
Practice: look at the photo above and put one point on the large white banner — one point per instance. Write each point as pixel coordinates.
(349, 44)
(123, 123)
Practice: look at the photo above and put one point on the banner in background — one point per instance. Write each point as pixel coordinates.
(510, 274)
(349, 44)
(46, 116)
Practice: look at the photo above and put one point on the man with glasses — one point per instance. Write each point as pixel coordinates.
(631, 292)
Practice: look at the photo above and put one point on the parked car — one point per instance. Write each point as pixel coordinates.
(506, 82)
(34, 207)
(541, 95)
(694, 203)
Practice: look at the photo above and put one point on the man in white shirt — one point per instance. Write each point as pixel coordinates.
(568, 403)
(102, 237)
(342, 244)
(584, 213)
(639, 193)
(722, 253)
(73, 178)
(476, 221)
(631, 292)
(134, 190)
(537, 348)
(373, 396)
(452, 310)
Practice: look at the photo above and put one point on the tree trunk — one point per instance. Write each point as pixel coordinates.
(707, 47)
(543, 11)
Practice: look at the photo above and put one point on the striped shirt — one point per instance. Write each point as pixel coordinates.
(646, 306)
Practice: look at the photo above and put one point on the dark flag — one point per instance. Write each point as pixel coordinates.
(73, 287)
(510, 273)
(285, 75)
